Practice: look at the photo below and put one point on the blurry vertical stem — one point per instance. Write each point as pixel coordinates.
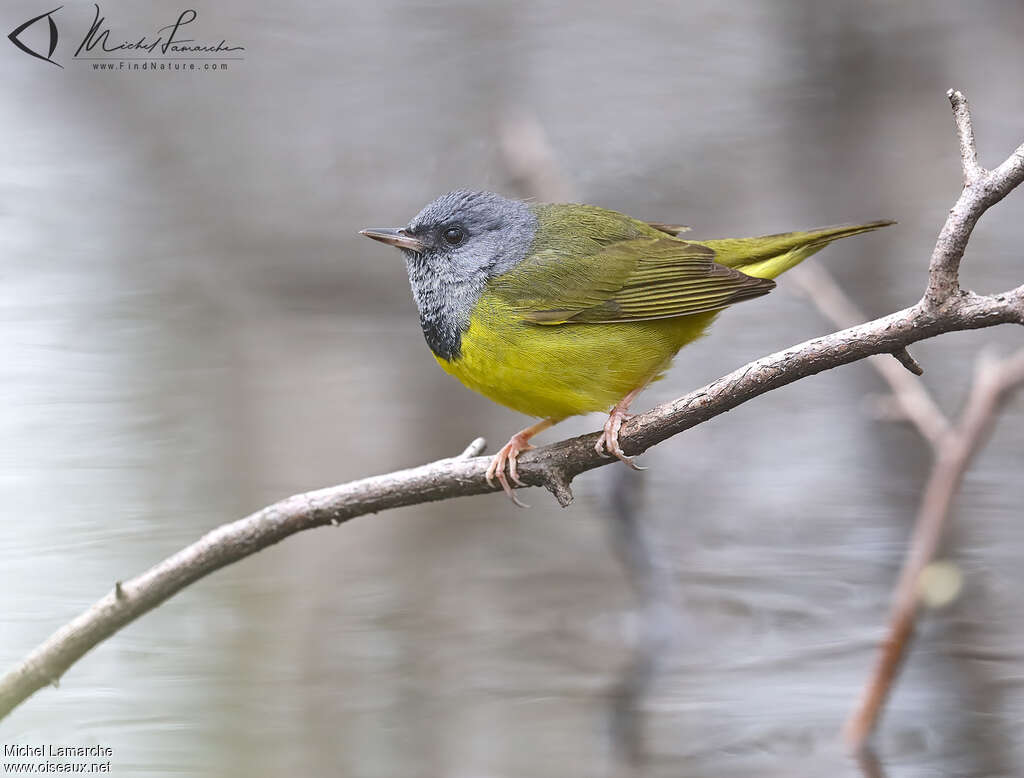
(994, 383)
(656, 619)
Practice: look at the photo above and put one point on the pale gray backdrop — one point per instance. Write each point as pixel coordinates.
(191, 327)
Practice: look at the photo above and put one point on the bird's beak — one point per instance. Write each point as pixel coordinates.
(398, 238)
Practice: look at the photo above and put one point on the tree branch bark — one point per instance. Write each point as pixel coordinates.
(914, 401)
(944, 308)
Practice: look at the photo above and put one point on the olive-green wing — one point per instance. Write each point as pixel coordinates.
(634, 280)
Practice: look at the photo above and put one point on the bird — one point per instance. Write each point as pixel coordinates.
(561, 309)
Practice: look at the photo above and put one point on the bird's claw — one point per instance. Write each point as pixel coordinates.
(608, 443)
(508, 455)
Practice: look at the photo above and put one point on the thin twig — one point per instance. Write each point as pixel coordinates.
(943, 309)
(982, 189)
(476, 447)
(965, 134)
(905, 358)
(995, 381)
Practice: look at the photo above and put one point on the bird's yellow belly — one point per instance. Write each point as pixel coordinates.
(564, 370)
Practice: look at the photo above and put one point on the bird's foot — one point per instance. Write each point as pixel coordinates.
(608, 443)
(509, 455)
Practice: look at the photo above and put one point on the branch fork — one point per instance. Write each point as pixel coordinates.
(953, 443)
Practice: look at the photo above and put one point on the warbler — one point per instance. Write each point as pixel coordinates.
(557, 309)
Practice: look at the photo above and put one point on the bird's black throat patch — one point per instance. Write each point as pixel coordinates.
(443, 336)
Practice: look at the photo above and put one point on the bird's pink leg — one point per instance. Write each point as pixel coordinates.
(509, 454)
(608, 443)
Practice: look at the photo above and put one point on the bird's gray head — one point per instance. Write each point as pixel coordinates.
(452, 248)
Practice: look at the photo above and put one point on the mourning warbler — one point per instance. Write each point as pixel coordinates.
(560, 309)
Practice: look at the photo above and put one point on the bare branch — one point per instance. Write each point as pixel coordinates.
(943, 309)
(914, 401)
(982, 189)
(965, 133)
(995, 381)
(953, 449)
(476, 447)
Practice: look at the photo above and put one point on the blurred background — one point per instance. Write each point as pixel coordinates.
(192, 328)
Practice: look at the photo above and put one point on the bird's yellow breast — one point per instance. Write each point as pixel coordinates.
(568, 369)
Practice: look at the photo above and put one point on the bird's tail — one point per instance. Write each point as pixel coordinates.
(768, 256)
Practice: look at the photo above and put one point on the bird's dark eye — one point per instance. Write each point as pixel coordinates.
(454, 235)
